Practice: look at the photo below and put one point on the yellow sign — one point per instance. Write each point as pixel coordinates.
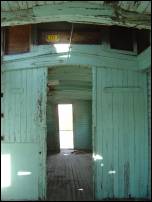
(52, 38)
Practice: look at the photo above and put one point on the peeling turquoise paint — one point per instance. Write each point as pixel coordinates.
(116, 117)
(24, 106)
(102, 13)
(121, 135)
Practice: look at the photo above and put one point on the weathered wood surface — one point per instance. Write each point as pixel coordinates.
(24, 108)
(73, 83)
(149, 127)
(136, 6)
(82, 12)
(144, 59)
(69, 176)
(62, 37)
(121, 135)
(85, 55)
(17, 39)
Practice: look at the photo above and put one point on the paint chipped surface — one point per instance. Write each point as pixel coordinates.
(126, 179)
(129, 14)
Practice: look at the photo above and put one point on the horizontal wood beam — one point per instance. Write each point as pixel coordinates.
(77, 12)
(72, 94)
(73, 58)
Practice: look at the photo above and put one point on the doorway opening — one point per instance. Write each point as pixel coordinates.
(65, 114)
(69, 134)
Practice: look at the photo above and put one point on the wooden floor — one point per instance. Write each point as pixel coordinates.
(70, 176)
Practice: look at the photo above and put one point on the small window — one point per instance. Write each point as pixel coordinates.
(17, 39)
(121, 38)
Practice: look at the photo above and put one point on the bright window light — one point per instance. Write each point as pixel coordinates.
(61, 48)
(66, 126)
(5, 170)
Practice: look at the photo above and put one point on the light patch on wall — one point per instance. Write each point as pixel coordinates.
(61, 48)
(64, 56)
(97, 157)
(112, 172)
(5, 170)
(22, 173)
(80, 189)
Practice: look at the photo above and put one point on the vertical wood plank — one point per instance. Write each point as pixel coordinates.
(131, 135)
(22, 123)
(122, 118)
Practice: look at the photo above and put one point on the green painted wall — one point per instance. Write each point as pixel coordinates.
(24, 131)
(24, 82)
(17, 158)
(52, 127)
(149, 126)
(82, 123)
(121, 136)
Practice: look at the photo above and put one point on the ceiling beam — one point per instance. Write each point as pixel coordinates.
(77, 12)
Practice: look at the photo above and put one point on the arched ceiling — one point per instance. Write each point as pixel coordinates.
(123, 13)
(135, 6)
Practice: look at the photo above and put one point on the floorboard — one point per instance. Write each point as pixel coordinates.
(69, 176)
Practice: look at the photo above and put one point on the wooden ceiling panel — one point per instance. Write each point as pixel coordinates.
(120, 13)
(136, 6)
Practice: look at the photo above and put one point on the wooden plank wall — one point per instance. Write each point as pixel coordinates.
(20, 94)
(52, 126)
(24, 107)
(74, 82)
(2, 105)
(82, 123)
(121, 138)
(149, 127)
